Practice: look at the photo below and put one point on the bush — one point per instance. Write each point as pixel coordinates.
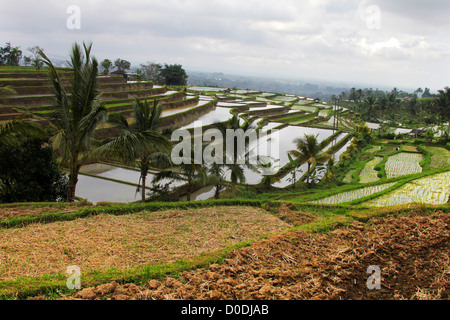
(29, 172)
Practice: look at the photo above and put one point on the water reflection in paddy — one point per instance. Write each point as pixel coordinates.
(219, 114)
(96, 189)
(99, 190)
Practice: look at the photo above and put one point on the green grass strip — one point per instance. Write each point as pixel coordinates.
(122, 209)
(55, 285)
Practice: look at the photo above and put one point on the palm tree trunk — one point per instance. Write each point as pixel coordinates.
(307, 175)
(217, 192)
(73, 179)
(233, 190)
(144, 170)
(294, 178)
(188, 192)
(144, 177)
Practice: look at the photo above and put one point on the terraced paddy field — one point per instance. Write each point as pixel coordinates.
(369, 174)
(354, 195)
(403, 164)
(430, 190)
(305, 108)
(440, 157)
(299, 265)
(304, 243)
(106, 241)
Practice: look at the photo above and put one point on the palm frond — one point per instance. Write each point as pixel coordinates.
(15, 130)
(7, 91)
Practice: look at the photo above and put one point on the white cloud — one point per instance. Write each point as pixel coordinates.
(314, 38)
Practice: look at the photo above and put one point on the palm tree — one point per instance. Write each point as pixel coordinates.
(232, 163)
(138, 143)
(369, 104)
(382, 103)
(293, 165)
(216, 177)
(190, 172)
(442, 105)
(412, 107)
(393, 103)
(78, 113)
(269, 169)
(309, 150)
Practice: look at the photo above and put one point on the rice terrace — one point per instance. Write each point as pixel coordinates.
(338, 198)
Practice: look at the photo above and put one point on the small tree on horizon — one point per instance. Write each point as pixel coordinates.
(106, 65)
(122, 65)
(36, 59)
(174, 75)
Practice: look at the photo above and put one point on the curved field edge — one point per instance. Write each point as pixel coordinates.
(55, 287)
(323, 194)
(121, 209)
(432, 190)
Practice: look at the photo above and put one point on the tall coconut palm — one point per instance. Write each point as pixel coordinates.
(382, 103)
(309, 150)
(369, 105)
(441, 104)
(216, 176)
(190, 172)
(393, 104)
(232, 163)
(78, 113)
(139, 142)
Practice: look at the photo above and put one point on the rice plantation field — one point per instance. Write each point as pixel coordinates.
(429, 190)
(440, 158)
(348, 177)
(355, 194)
(403, 163)
(387, 149)
(374, 149)
(369, 174)
(286, 98)
(304, 108)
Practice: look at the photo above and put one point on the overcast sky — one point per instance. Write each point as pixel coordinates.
(383, 43)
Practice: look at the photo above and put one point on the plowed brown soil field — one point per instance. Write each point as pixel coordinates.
(412, 253)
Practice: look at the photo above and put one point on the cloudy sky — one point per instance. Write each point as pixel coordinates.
(382, 43)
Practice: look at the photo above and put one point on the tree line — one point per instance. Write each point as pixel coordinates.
(161, 74)
(169, 74)
(420, 108)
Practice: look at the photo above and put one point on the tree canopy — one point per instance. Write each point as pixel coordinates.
(10, 56)
(29, 172)
(174, 75)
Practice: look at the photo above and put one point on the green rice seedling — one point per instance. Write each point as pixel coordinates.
(355, 194)
(402, 164)
(369, 174)
(440, 157)
(432, 190)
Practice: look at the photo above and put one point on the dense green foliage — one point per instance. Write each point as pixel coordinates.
(10, 56)
(174, 75)
(29, 172)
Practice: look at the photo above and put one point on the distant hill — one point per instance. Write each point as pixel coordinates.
(218, 79)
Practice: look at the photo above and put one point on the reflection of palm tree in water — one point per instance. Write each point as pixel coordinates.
(235, 163)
